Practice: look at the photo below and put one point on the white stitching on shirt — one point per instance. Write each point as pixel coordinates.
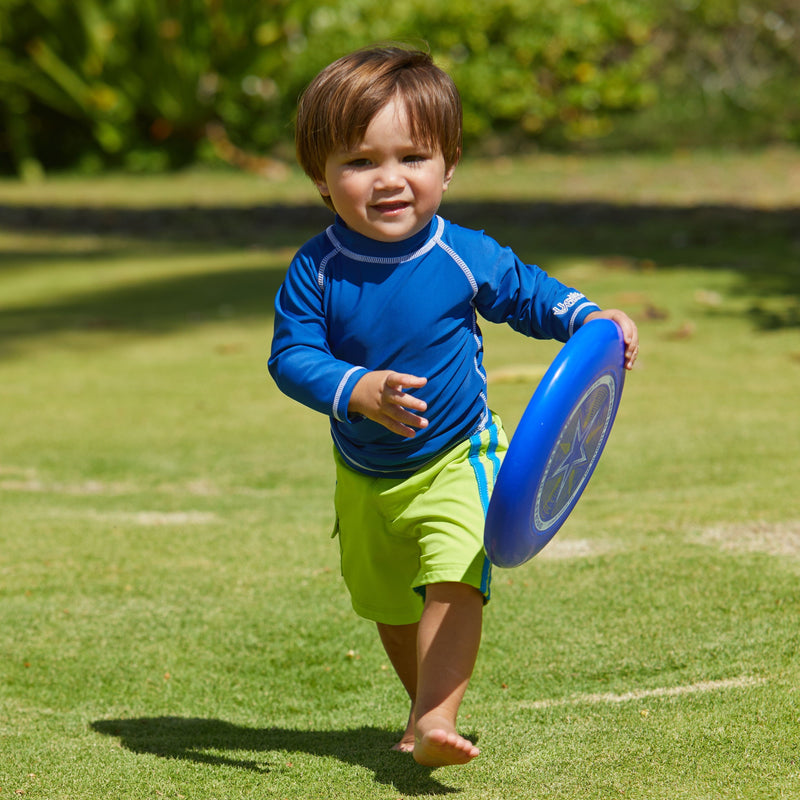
(427, 247)
(462, 266)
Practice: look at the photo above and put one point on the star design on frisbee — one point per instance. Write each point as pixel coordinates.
(577, 460)
(573, 459)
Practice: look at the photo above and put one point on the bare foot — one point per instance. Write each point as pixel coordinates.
(439, 748)
(406, 744)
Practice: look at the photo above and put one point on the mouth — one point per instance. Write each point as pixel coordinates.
(390, 208)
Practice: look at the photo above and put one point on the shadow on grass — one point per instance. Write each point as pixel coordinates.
(217, 743)
(156, 303)
(270, 225)
(760, 246)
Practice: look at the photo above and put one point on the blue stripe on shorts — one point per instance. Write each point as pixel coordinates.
(476, 445)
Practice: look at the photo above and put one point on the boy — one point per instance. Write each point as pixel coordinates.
(376, 327)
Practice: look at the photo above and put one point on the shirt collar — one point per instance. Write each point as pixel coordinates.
(363, 245)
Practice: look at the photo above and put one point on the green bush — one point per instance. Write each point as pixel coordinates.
(156, 84)
(727, 72)
(136, 82)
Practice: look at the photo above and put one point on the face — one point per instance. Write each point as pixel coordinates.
(388, 187)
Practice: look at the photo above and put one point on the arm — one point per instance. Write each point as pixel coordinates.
(523, 295)
(536, 304)
(301, 361)
(629, 331)
(304, 367)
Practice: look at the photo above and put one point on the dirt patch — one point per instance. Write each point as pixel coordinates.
(563, 549)
(775, 539)
(84, 488)
(154, 518)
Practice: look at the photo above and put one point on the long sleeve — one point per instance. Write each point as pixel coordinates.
(523, 295)
(301, 362)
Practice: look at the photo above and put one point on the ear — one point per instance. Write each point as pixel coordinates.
(322, 188)
(448, 176)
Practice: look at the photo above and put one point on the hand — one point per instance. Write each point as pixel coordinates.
(380, 396)
(629, 331)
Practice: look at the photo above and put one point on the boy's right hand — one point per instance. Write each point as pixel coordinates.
(380, 396)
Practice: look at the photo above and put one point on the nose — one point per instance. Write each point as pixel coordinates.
(389, 176)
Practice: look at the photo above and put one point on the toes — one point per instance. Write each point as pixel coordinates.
(439, 748)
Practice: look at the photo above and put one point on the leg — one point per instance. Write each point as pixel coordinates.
(447, 647)
(400, 644)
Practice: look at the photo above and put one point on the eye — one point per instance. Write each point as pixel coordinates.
(415, 158)
(358, 162)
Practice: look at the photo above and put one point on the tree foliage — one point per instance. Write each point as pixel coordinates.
(153, 84)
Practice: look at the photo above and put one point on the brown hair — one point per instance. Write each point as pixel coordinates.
(338, 105)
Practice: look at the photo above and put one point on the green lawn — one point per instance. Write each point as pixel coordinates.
(172, 620)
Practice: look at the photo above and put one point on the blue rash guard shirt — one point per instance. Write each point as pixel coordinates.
(350, 304)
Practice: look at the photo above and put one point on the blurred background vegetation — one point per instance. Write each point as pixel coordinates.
(149, 85)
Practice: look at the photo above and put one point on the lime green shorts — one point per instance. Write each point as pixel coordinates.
(398, 535)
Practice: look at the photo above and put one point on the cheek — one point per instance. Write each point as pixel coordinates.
(435, 188)
(349, 189)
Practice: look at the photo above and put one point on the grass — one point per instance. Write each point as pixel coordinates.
(172, 622)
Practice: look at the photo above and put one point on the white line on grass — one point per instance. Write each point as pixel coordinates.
(641, 694)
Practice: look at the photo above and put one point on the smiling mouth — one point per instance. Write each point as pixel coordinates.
(391, 207)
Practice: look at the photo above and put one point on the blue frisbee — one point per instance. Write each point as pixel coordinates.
(557, 444)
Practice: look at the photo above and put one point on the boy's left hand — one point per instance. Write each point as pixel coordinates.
(629, 331)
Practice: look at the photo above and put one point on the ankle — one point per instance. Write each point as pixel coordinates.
(433, 720)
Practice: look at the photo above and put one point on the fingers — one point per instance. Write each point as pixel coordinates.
(403, 423)
(398, 406)
(400, 380)
(396, 383)
(630, 333)
(631, 354)
(382, 397)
